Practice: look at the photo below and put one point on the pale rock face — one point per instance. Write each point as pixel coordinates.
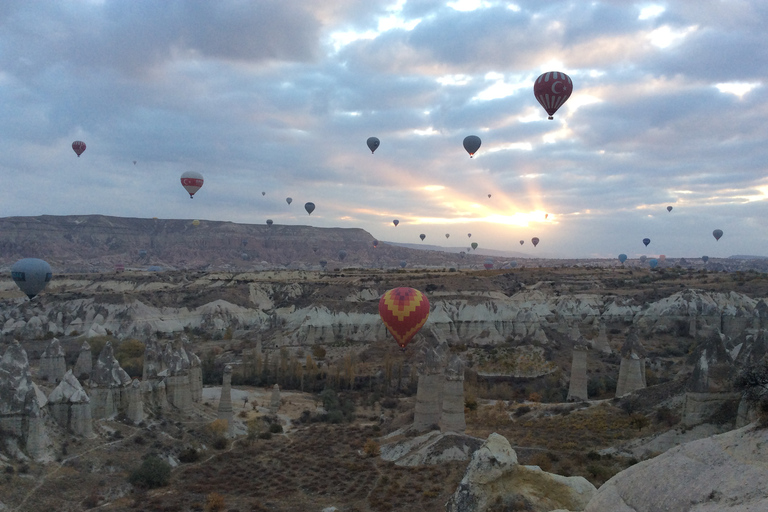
(577, 388)
(135, 411)
(723, 473)
(452, 415)
(107, 372)
(494, 474)
(84, 364)
(274, 401)
(225, 400)
(70, 406)
(52, 363)
(430, 448)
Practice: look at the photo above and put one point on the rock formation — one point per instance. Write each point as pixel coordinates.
(84, 364)
(274, 401)
(713, 365)
(452, 415)
(225, 401)
(430, 448)
(494, 477)
(21, 402)
(52, 363)
(429, 392)
(178, 388)
(135, 409)
(577, 389)
(600, 344)
(70, 406)
(632, 366)
(723, 473)
(108, 385)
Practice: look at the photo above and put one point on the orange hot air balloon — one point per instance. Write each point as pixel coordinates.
(404, 312)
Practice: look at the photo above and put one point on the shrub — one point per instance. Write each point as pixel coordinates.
(214, 502)
(220, 443)
(189, 455)
(318, 352)
(371, 448)
(153, 472)
(276, 428)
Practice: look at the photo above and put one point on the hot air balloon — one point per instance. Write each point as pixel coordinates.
(422, 236)
(31, 275)
(323, 263)
(263, 193)
(142, 253)
(705, 259)
(472, 144)
(195, 222)
(622, 258)
(403, 263)
(474, 245)
(462, 254)
(289, 200)
(488, 264)
(646, 241)
(375, 243)
(447, 235)
(134, 162)
(662, 257)
(395, 222)
(342, 255)
(643, 258)
(535, 241)
(653, 262)
(191, 181)
(310, 207)
(669, 208)
(546, 216)
(79, 147)
(404, 311)
(469, 235)
(522, 242)
(269, 222)
(373, 143)
(717, 234)
(512, 264)
(552, 89)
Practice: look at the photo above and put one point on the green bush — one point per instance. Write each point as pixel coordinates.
(276, 428)
(153, 472)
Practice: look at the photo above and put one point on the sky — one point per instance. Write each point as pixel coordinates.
(668, 108)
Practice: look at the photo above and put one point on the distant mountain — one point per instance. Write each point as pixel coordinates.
(744, 257)
(479, 251)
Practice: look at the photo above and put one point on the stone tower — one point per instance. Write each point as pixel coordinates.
(274, 402)
(452, 415)
(70, 406)
(225, 401)
(52, 363)
(429, 392)
(577, 390)
(84, 364)
(135, 411)
(632, 368)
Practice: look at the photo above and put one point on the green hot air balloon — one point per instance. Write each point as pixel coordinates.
(31, 275)
(472, 144)
(474, 245)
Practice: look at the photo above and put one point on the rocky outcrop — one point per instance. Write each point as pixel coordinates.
(430, 448)
(52, 363)
(494, 477)
(70, 406)
(108, 385)
(632, 366)
(713, 365)
(452, 414)
(600, 343)
(21, 402)
(135, 409)
(429, 392)
(700, 408)
(274, 400)
(577, 388)
(177, 371)
(84, 364)
(225, 400)
(723, 473)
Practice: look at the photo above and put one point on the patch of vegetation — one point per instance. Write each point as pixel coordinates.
(153, 472)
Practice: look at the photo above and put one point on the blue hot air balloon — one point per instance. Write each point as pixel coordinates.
(653, 262)
(31, 275)
(646, 241)
(622, 258)
(403, 263)
(705, 259)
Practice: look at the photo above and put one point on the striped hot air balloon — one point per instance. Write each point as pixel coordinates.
(404, 312)
(552, 89)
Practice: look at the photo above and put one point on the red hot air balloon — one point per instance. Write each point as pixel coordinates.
(191, 181)
(552, 89)
(535, 241)
(79, 147)
(404, 311)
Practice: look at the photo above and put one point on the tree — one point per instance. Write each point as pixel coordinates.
(753, 381)
(153, 472)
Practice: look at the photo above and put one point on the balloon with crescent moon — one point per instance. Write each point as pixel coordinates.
(646, 241)
(373, 143)
(192, 182)
(552, 89)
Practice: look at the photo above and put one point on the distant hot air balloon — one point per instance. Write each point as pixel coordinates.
(488, 264)
(643, 258)
(472, 144)
(142, 253)
(669, 208)
(403, 263)
(373, 143)
(646, 241)
(717, 234)
(462, 254)
(289, 200)
(404, 311)
(705, 259)
(474, 245)
(512, 264)
(546, 216)
(79, 147)
(522, 242)
(422, 236)
(469, 235)
(244, 241)
(195, 222)
(269, 222)
(375, 243)
(310, 207)
(323, 263)
(447, 235)
(342, 255)
(263, 193)
(395, 222)
(134, 162)
(191, 181)
(662, 257)
(552, 89)
(31, 275)
(653, 262)
(622, 258)
(535, 241)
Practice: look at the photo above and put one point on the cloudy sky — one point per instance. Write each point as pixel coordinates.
(669, 109)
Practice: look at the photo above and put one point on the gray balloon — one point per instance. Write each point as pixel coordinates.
(310, 207)
(31, 275)
(373, 143)
(472, 144)
(342, 255)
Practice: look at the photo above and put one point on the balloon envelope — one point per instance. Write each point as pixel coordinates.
(489, 196)
(289, 200)
(422, 236)
(342, 255)
(522, 242)
(717, 234)
(705, 259)
(403, 263)
(646, 241)
(373, 143)
(395, 222)
(552, 89)
(31, 275)
(474, 245)
(263, 193)
(310, 207)
(79, 146)
(643, 258)
(653, 262)
(622, 258)
(375, 243)
(535, 241)
(469, 235)
(669, 208)
(447, 235)
(191, 181)
(472, 144)
(404, 312)
(488, 264)
(269, 222)
(195, 222)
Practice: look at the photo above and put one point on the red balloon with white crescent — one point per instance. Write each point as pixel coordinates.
(404, 312)
(552, 89)
(79, 147)
(191, 181)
